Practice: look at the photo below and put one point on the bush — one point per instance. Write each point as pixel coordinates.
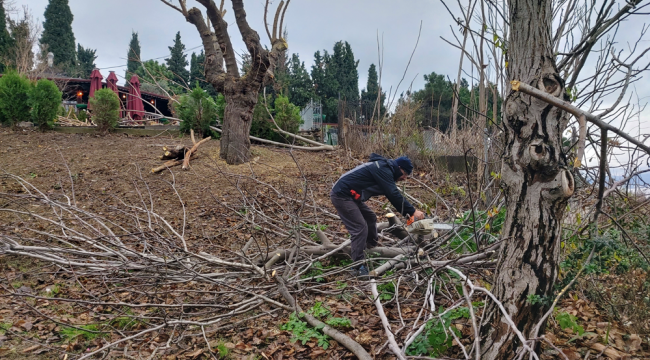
(106, 109)
(286, 115)
(261, 125)
(14, 98)
(45, 100)
(198, 112)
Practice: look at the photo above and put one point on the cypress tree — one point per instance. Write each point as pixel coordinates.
(369, 96)
(301, 88)
(177, 62)
(132, 56)
(197, 70)
(335, 75)
(85, 61)
(344, 69)
(58, 35)
(5, 38)
(197, 73)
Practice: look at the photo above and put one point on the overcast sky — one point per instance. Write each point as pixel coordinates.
(312, 25)
(106, 25)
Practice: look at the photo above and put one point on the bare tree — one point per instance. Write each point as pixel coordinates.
(241, 92)
(25, 31)
(536, 174)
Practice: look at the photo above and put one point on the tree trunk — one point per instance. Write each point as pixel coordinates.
(535, 181)
(238, 116)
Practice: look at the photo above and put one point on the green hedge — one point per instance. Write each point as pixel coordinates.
(45, 100)
(14, 98)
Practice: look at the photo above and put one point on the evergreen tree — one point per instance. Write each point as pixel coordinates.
(336, 75)
(196, 69)
(58, 35)
(300, 87)
(154, 77)
(344, 68)
(5, 38)
(85, 61)
(197, 73)
(177, 62)
(369, 96)
(132, 56)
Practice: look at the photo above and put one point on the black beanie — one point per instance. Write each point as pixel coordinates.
(405, 163)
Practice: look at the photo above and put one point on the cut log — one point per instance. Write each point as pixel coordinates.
(397, 227)
(186, 162)
(175, 153)
(168, 164)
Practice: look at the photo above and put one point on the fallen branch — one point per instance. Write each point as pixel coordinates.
(341, 338)
(186, 161)
(264, 141)
(166, 165)
(392, 344)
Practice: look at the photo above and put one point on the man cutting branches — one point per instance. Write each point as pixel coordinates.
(374, 178)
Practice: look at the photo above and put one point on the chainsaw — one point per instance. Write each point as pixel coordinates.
(425, 226)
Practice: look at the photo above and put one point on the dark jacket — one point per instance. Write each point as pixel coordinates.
(374, 178)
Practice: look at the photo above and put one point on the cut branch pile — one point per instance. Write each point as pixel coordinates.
(179, 155)
(68, 121)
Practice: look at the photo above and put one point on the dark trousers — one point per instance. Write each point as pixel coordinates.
(360, 221)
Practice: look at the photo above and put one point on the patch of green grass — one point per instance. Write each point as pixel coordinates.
(338, 322)
(222, 351)
(54, 290)
(302, 332)
(315, 273)
(4, 327)
(89, 332)
(386, 291)
(319, 310)
(436, 338)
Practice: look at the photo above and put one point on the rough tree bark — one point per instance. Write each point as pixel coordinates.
(535, 178)
(240, 92)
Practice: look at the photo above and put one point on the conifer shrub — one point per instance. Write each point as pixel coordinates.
(106, 109)
(14, 98)
(286, 115)
(45, 100)
(198, 111)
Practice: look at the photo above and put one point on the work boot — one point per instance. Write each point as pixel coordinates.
(360, 273)
(363, 273)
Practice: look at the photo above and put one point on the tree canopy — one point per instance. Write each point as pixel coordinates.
(177, 62)
(300, 87)
(132, 56)
(58, 35)
(5, 37)
(370, 94)
(336, 75)
(85, 61)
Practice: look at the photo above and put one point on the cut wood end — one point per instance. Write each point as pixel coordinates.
(390, 215)
(515, 85)
(577, 163)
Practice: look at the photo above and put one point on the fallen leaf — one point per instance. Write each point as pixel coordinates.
(316, 353)
(196, 353)
(633, 343)
(363, 338)
(31, 348)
